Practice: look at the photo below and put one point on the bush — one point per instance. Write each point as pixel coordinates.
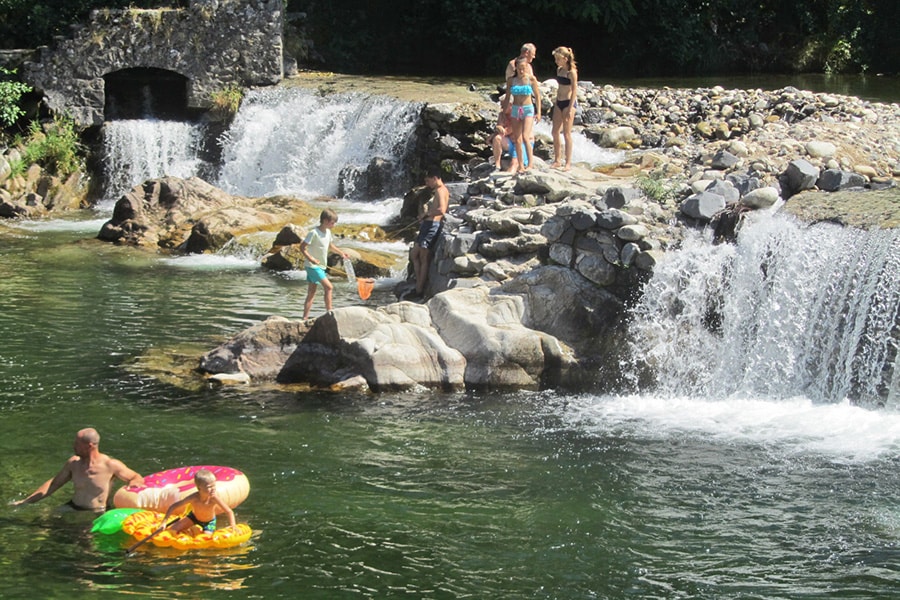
(656, 188)
(56, 147)
(10, 94)
(225, 103)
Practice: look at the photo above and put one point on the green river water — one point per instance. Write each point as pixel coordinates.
(528, 495)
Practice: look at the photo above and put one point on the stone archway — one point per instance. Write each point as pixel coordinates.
(139, 93)
(212, 45)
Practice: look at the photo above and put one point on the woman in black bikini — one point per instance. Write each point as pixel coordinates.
(565, 105)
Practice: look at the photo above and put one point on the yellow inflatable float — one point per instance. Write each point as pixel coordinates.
(142, 524)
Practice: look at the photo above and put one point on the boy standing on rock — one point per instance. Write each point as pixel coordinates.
(315, 249)
(432, 217)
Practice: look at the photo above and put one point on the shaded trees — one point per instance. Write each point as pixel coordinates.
(624, 37)
(616, 37)
(30, 23)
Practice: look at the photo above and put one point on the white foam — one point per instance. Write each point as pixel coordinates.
(140, 149)
(63, 225)
(379, 212)
(211, 262)
(842, 432)
(269, 150)
(583, 149)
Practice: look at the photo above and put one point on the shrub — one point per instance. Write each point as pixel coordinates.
(656, 188)
(227, 102)
(56, 147)
(10, 94)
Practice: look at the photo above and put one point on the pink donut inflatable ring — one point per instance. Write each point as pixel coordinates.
(161, 490)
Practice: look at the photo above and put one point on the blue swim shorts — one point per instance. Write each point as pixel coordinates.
(521, 111)
(429, 232)
(315, 274)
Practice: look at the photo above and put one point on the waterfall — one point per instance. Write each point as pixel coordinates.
(583, 149)
(135, 150)
(297, 142)
(790, 310)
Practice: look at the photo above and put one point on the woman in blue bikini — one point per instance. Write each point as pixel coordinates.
(523, 112)
(565, 105)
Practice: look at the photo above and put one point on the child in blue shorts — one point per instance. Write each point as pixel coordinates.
(315, 248)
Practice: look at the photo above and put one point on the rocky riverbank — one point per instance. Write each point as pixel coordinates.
(531, 282)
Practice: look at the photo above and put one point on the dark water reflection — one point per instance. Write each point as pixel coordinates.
(413, 495)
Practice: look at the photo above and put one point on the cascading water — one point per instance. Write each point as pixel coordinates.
(583, 150)
(294, 141)
(790, 310)
(135, 150)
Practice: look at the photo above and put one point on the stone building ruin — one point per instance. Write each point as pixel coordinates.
(164, 62)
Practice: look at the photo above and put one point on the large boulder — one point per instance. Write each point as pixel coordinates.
(500, 351)
(259, 351)
(562, 303)
(392, 349)
(703, 206)
(800, 175)
(460, 338)
(194, 216)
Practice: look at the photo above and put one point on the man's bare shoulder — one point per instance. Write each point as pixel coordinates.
(114, 464)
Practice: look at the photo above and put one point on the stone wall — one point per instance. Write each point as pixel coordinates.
(213, 43)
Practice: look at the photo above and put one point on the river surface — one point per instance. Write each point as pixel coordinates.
(419, 495)
(746, 473)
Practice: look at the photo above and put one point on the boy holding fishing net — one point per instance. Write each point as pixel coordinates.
(315, 248)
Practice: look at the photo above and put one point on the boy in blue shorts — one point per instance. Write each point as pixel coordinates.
(431, 216)
(315, 248)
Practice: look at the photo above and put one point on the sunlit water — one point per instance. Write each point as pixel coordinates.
(740, 468)
(135, 150)
(537, 495)
(296, 141)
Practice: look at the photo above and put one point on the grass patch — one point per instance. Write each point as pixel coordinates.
(657, 188)
(225, 103)
(56, 147)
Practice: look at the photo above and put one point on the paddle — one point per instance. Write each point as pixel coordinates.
(130, 550)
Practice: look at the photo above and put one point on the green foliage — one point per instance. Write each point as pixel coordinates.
(30, 23)
(56, 147)
(616, 37)
(10, 94)
(839, 57)
(613, 14)
(658, 188)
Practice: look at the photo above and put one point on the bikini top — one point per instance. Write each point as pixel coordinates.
(561, 80)
(521, 90)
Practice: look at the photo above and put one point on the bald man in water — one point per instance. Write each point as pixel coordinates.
(91, 473)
